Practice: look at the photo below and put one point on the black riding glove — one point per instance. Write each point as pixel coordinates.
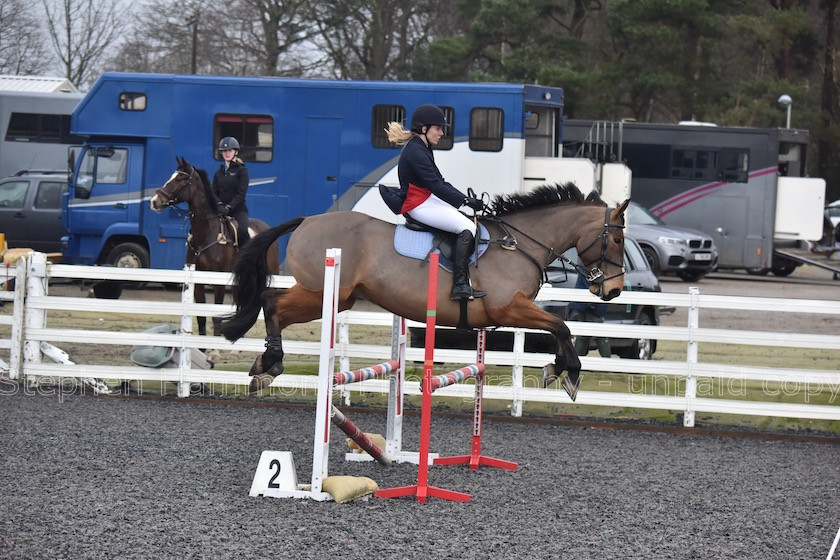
(223, 210)
(474, 203)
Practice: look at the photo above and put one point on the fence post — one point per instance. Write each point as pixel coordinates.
(36, 285)
(185, 358)
(691, 357)
(17, 335)
(518, 352)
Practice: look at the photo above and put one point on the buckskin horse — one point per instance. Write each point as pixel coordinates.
(538, 225)
(210, 245)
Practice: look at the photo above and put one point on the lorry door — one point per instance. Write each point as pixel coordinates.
(323, 157)
(103, 193)
(730, 230)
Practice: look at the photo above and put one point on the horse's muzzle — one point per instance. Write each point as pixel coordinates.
(598, 290)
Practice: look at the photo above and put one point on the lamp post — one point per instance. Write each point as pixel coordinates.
(787, 101)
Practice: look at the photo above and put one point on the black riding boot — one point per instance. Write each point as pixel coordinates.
(461, 289)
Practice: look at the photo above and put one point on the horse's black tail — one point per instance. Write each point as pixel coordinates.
(250, 277)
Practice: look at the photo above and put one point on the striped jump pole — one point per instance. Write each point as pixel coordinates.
(363, 374)
(422, 490)
(475, 459)
(457, 376)
(353, 432)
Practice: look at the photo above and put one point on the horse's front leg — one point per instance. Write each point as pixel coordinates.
(200, 298)
(281, 307)
(565, 358)
(523, 312)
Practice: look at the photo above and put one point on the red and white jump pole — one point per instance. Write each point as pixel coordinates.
(422, 490)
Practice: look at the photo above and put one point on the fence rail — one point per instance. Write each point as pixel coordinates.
(34, 344)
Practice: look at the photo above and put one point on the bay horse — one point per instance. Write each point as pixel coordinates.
(538, 225)
(210, 245)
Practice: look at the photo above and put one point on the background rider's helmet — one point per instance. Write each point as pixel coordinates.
(228, 143)
(427, 115)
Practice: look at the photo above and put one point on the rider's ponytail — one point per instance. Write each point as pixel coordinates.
(398, 134)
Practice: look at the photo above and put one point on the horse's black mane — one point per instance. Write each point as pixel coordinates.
(545, 195)
(205, 180)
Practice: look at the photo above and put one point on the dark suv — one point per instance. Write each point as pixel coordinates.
(561, 274)
(30, 209)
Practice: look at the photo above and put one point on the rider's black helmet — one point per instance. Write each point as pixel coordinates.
(228, 143)
(427, 115)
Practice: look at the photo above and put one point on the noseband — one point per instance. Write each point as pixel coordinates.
(592, 271)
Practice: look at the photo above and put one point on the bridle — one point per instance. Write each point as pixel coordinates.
(172, 199)
(593, 272)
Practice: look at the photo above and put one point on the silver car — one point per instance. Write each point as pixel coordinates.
(688, 253)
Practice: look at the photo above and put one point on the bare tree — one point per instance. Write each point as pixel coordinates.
(264, 37)
(23, 49)
(167, 36)
(81, 31)
(373, 39)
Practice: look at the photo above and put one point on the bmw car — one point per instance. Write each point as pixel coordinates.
(688, 253)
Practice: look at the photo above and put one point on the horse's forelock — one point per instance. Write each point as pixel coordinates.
(544, 195)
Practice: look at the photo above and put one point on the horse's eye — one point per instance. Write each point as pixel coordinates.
(618, 240)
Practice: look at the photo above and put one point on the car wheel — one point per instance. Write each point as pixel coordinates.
(653, 260)
(691, 275)
(758, 271)
(642, 348)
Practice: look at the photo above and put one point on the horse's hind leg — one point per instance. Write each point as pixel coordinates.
(218, 298)
(282, 307)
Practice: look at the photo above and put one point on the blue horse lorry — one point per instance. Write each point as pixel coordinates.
(311, 146)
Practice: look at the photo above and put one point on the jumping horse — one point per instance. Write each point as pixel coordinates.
(538, 226)
(211, 244)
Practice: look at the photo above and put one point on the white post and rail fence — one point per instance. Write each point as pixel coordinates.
(33, 346)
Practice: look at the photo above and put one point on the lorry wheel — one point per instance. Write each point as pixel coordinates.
(783, 270)
(124, 255)
(128, 255)
(758, 271)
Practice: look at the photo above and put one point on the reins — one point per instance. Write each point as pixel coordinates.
(591, 272)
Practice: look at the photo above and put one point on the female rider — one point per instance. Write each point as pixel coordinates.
(428, 198)
(230, 184)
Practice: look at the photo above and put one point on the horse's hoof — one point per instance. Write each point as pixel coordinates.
(256, 367)
(276, 369)
(571, 387)
(548, 375)
(260, 382)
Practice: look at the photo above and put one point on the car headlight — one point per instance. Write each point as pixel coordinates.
(672, 241)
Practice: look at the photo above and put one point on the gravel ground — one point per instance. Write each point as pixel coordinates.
(109, 477)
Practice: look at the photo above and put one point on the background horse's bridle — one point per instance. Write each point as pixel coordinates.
(172, 199)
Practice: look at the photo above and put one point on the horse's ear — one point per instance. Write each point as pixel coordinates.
(619, 212)
(179, 160)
